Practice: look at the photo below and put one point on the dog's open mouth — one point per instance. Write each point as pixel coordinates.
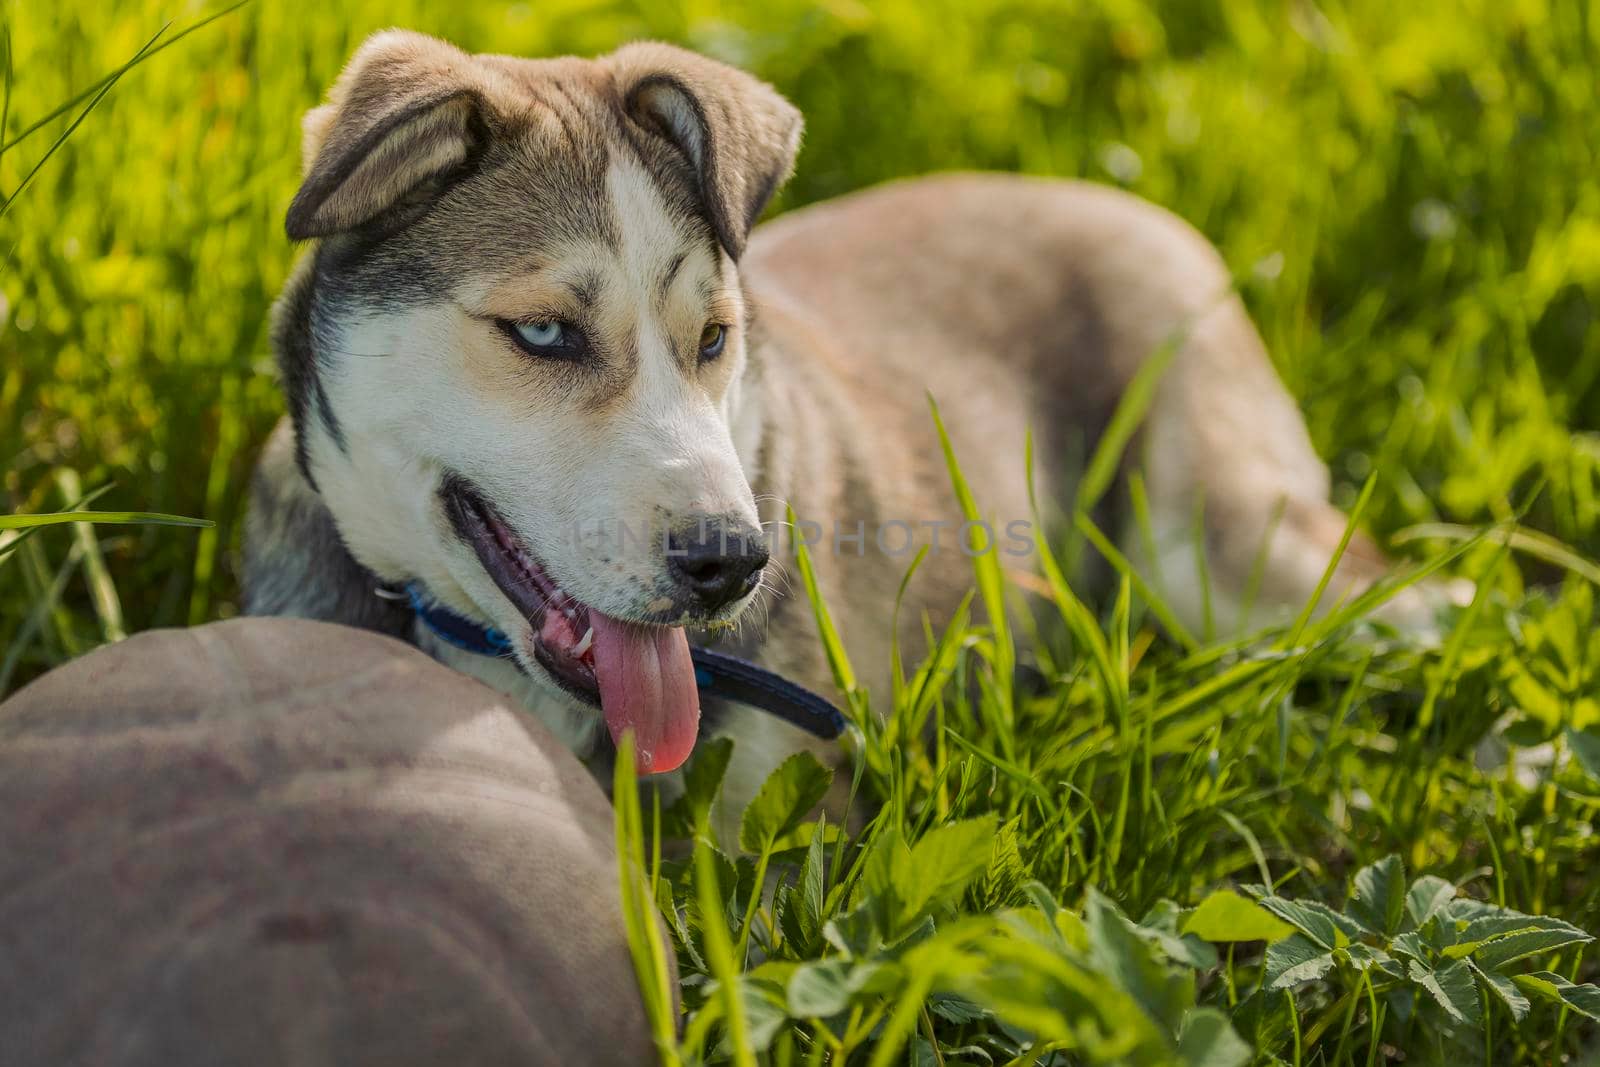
(640, 675)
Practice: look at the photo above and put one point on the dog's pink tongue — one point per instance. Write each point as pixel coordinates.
(647, 685)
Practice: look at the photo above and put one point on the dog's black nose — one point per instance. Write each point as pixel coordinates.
(716, 561)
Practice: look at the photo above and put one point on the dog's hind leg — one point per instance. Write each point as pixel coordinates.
(1241, 530)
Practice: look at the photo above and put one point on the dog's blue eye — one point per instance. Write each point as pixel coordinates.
(541, 334)
(712, 338)
(547, 339)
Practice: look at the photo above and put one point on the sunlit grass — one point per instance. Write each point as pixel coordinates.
(1406, 195)
(1056, 883)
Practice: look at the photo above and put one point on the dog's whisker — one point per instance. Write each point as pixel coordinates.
(777, 576)
(359, 355)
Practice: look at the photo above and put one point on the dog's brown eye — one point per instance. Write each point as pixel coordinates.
(712, 338)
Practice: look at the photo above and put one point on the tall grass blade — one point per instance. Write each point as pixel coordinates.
(10, 539)
(103, 593)
(991, 583)
(109, 518)
(111, 79)
(844, 676)
(640, 923)
(5, 204)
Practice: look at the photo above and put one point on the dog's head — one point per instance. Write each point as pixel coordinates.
(513, 357)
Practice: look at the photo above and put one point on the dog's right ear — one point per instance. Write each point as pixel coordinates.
(407, 109)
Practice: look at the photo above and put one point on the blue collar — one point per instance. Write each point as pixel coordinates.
(716, 673)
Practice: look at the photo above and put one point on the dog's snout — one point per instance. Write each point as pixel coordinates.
(716, 561)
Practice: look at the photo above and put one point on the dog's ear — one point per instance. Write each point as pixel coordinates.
(737, 132)
(407, 109)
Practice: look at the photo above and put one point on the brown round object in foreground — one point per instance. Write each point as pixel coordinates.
(273, 841)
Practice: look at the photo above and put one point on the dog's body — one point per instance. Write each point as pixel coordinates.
(1018, 305)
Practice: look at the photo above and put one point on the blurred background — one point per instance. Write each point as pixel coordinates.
(1407, 192)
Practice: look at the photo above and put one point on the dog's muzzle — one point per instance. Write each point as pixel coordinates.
(715, 562)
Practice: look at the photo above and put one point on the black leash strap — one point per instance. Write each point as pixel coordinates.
(731, 678)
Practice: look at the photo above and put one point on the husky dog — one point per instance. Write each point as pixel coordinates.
(536, 306)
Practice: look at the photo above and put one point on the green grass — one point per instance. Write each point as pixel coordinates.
(1407, 192)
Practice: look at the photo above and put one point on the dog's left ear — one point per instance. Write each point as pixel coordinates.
(737, 132)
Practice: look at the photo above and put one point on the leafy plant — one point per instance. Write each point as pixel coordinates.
(1432, 956)
(873, 949)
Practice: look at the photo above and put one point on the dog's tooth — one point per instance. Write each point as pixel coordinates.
(583, 646)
